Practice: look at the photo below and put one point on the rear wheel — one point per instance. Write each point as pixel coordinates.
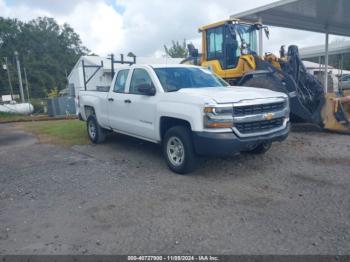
(261, 149)
(96, 133)
(178, 150)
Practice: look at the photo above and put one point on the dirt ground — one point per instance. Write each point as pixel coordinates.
(120, 198)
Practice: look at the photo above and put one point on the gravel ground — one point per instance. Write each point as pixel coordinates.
(120, 198)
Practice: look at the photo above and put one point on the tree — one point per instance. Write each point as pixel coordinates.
(47, 50)
(53, 93)
(177, 50)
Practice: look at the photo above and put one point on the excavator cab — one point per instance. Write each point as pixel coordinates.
(228, 49)
(226, 43)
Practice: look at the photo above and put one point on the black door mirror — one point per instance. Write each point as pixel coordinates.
(192, 51)
(146, 89)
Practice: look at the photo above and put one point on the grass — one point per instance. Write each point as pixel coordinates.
(8, 117)
(65, 132)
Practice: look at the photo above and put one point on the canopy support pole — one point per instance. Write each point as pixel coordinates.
(319, 63)
(260, 39)
(326, 64)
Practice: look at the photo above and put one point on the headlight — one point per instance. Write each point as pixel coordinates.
(218, 117)
(244, 49)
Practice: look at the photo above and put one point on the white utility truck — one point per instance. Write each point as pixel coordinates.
(188, 110)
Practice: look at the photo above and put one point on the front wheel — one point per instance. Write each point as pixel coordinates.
(178, 150)
(261, 149)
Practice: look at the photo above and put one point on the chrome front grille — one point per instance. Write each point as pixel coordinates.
(259, 126)
(258, 109)
(252, 118)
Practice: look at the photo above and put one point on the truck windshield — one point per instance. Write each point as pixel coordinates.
(175, 78)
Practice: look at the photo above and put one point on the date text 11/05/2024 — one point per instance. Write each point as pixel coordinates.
(173, 258)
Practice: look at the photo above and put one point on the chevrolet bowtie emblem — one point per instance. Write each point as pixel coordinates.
(268, 116)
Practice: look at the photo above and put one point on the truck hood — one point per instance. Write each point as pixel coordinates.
(232, 94)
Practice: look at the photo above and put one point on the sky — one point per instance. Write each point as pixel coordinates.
(144, 26)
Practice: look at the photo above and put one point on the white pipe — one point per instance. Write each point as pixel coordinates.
(22, 108)
(326, 64)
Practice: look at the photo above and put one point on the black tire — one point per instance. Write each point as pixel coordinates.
(261, 149)
(189, 158)
(99, 134)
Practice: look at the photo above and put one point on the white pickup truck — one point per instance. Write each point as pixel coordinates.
(188, 110)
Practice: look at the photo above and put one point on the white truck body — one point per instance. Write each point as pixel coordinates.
(147, 116)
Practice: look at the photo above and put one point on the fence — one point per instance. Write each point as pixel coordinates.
(60, 106)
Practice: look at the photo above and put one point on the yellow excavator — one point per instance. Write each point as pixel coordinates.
(229, 49)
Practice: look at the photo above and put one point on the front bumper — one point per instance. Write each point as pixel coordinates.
(219, 144)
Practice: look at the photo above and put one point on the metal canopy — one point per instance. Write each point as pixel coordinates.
(336, 48)
(323, 16)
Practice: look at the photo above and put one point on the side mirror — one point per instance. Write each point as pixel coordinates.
(146, 89)
(192, 51)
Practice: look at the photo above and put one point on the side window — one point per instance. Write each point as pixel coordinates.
(215, 40)
(139, 77)
(119, 86)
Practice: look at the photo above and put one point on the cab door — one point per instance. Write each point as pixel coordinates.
(117, 109)
(141, 108)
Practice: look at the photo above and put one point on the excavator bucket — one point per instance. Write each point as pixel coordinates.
(308, 102)
(305, 92)
(287, 74)
(336, 112)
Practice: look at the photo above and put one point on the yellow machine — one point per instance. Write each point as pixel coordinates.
(229, 48)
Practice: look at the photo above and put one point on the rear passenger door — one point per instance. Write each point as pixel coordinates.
(117, 111)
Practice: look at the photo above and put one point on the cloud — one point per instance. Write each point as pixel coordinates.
(151, 24)
(100, 26)
(148, 25)
(52, 6)
(143, 27)
(21, 11)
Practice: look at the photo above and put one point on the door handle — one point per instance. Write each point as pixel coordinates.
(128, 101)
(110, 99)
